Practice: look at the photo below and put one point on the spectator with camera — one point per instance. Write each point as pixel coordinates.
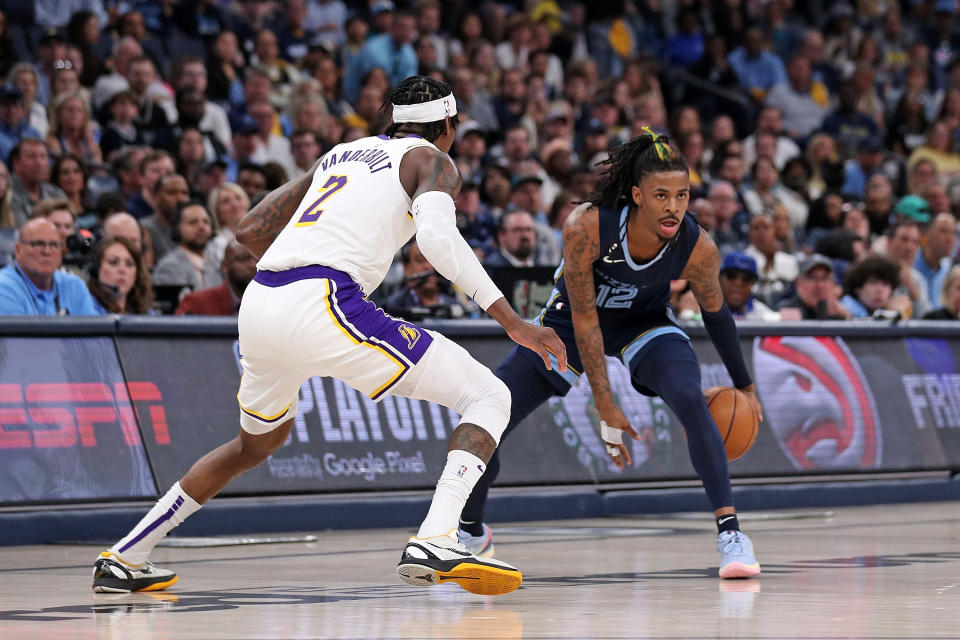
(421, 295)
(118, 280)
(237, 270)
(191, 230)
(34, 285)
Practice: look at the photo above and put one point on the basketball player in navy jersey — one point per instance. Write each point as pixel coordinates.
(621, 250)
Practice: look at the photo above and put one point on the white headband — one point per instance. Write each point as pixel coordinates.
(426, 111)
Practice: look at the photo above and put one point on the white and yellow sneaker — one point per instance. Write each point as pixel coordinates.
(429, 561)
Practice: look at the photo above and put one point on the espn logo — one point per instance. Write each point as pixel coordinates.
(62, 415)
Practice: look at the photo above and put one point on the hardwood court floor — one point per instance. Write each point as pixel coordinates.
(866, 572)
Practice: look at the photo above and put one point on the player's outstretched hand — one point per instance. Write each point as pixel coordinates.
(613, 424)
(543, 340)
(751, 392)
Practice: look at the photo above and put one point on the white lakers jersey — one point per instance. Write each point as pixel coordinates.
(356, 215)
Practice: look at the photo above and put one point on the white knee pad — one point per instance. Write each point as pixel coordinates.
(486, 403)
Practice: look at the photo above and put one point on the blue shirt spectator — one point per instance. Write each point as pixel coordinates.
(758, 70)
(389, 51)
(933, 261)
(32, 286)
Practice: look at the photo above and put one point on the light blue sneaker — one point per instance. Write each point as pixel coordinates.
(738, 560)
(480, 546)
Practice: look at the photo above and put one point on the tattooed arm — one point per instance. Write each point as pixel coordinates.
(581, 248)
(703, 271)
(260, 226)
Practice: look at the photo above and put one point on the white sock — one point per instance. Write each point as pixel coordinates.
(170, 510)
(461, 473)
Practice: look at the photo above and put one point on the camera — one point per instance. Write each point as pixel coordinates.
(79, 248)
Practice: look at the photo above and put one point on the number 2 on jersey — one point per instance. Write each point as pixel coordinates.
(313, 212)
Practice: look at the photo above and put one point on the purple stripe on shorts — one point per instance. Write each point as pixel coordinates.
(360, 317)
(156, 523)
(262, 419)
(338, 316)
(281, 278)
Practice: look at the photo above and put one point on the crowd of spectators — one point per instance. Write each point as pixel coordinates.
(821, 137)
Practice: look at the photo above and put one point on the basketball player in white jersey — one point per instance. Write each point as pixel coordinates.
(326, 241)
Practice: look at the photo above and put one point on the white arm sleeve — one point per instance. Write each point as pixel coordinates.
(441, 243)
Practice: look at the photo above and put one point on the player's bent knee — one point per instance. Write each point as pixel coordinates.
(486, 403)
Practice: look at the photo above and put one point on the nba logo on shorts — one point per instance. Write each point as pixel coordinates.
(818, 402)
(462, 471)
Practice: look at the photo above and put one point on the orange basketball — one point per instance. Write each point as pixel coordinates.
(735, 418)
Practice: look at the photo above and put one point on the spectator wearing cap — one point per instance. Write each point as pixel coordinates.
(31, 178)
(933, 261)
(558, 122)
(858, 170)
(14, 125)
(236, 272)
(816, 295)
(247, 147)
(801, 101)
(391, 51)
(183, 265)
(847, 124)
(776, 268)
(596, 141)
(516, 242)
(903, 243)
(33, 284)
(525, 195)
(738, 274)
(869, 285)
(757, 69)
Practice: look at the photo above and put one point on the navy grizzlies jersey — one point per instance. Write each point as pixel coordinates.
(632, 298)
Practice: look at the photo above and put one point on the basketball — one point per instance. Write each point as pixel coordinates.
(735, 418)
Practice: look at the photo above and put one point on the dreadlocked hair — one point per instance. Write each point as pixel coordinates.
(417, 90)
(630, 163)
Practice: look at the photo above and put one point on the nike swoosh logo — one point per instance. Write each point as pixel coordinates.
(609, 261)
(722, 520)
